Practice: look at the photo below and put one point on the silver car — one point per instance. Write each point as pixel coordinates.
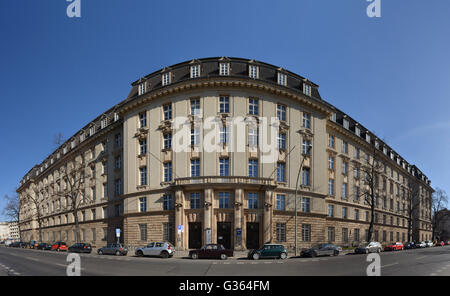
(160, 249)
(371, 247)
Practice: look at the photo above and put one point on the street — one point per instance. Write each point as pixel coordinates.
(433, 261)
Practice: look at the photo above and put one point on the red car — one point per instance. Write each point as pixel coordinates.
(59, 246)
(398, 246)
(440, 244)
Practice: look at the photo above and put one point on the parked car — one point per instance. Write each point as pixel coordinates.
(80, 248)
(447, 243)
(398, 246)
(44, 246)
(410, 245)
(421, 245)
(17, 244)
(268, 251)
(26, 245)
(8, 243)
(211, 251)
(161, 249)
(439, 244)
(429, 243)
(321, 250)
(59, 246)
(113, 249)
(372, 247)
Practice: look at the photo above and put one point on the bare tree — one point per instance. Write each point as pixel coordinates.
(438, 203)
(58, 139)
(32, 196)
(412, 205)
(12, 209)
(369, 175)
(73, 191)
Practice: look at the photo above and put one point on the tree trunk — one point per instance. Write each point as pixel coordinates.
(77, 226)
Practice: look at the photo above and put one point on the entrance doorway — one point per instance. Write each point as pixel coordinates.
(252, 237)
(195, 235)
(224, 234)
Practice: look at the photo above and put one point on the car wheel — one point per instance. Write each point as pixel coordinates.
(100, 252)
(313, 254)
(255, 256)
(223, 256)
(139, 253)
(165, 255)
(283, 256)
(194, 256)
(117, 253)
(336, 253)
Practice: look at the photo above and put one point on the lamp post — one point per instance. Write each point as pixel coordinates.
(308, 149)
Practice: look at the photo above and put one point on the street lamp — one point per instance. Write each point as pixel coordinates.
(307, 152)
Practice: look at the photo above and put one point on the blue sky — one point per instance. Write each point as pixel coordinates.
(391, 73)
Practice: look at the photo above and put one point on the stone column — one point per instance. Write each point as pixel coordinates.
(238, 215)
(208, 212)
(267, 216)
(179, 219)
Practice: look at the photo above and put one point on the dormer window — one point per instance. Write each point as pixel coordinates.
(253, 71)
(166, 78)
(91, 130)
(307, 89)
(224, 69)
(82, 137)
(195, 71)
(385, 150)
(367, 138)
(116, 116)
(141, 88)
(333, 117)
(103, 123)
(282, 79)
(377, 145)
(345, 123)
(357, 131)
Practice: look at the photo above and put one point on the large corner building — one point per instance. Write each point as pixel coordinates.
(137, 182)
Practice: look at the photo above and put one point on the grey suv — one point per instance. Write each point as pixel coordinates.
(113, 249)
(161, 249)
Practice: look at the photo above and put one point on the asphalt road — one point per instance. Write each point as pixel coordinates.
(433, 261)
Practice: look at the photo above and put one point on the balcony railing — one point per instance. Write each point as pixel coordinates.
(224, 180)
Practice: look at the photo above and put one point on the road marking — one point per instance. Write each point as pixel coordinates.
(389, 264)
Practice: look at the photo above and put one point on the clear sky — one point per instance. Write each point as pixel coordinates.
(392, 73)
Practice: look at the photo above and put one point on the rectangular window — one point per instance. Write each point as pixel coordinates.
(305, 177)
(331, 141)
(356, 193)
(281, 232)
(195, 167)
(330, 187)
(118, 162)
(330, 234)
(253, 71)
(281, 202)
(252, 136)
(195, 136)
(306, 147)
(167, 171)
(306, 204)
(344, 168)
(143, 175)
(281, 170)
(344, 213)
(281, 112)
(118, 186)
(224, 167)
(306, 232)
(330, 210)
(306, 120)
(344, 147)
(345, 235)
(224, 199)
(141, 88)
(167, 202)
(224, 134)
(168, 232)
(195, 71)
(331, 163)
(118, 140)
(168, 141)
(346, 123)
(195, 200)
(253, 200)
(167, 110)
(142, 120)
(166, 78)
(224, 69)
(195, 106)
(224, 104)
(253, 106)
(253, 168)
(356, 214)
(282, 79)
(105, 190)
(143, 232)
(344, 190)
(93, 214)
(142, 204)
(282, 141)
(307, 89)
(143, 147)
(356, 234)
